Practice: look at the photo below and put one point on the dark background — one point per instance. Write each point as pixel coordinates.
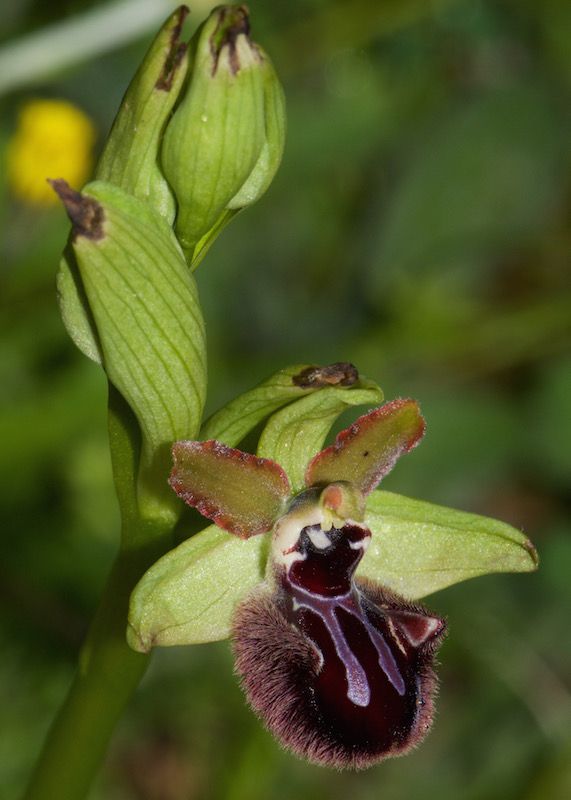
(420, 226)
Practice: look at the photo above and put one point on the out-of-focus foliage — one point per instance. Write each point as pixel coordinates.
(420, 226)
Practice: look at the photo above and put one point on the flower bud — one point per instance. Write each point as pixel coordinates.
(131, 154)
(224, 143)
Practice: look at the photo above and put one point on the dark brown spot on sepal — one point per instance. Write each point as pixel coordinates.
(85, 213)
(342, 373)
(282, 673)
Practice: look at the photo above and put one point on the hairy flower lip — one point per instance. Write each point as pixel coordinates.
(279, 667)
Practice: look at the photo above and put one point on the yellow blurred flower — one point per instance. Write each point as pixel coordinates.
(54, 139)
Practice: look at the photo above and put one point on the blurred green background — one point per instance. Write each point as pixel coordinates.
(420, 226)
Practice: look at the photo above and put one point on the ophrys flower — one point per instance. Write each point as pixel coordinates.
(338, 668)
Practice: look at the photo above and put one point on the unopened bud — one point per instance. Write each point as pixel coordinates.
(130, 159)
(224, 143)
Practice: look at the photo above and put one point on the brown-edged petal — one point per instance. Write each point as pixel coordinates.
(366, 451)
(238, 491)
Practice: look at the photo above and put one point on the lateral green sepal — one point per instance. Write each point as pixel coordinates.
(418, 548)
(189, 595)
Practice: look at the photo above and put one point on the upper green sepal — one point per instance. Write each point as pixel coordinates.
(294, 434)
(241, 415)
(418, 548)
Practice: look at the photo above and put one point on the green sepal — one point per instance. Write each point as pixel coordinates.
(237, 418)
(418, 548)
(147, 314)
(297, 432)
(189, 595)
(131, 156)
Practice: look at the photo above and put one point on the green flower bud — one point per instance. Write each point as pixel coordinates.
(130, 157)
(224, 143)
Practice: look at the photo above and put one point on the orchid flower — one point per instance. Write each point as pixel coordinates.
(339, 669)
(312, 572)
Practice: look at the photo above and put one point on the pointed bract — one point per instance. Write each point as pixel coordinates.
(366, 451)
(238, 491)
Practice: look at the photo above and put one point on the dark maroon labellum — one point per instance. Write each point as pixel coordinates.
(339, 669)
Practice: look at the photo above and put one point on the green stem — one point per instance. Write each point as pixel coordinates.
(107, 675)
(108, 671)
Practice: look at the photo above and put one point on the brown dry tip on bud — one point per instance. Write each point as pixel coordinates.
(85, 213)
(233, 22)
(342, 373)
(175, 54)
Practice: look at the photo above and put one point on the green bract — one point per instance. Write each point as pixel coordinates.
(130, 162)
(145, 309)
